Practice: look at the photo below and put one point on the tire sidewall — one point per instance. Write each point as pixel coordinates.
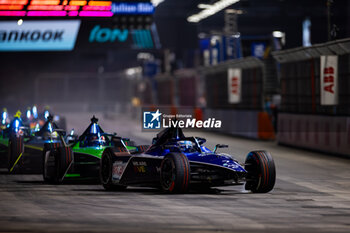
(106, 168)
(180, 176)
(262, 169)
(15, 148)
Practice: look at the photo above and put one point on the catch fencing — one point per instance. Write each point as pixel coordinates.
(205, 93)
(305, 119)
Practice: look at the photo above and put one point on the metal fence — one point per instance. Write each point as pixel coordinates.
(300, 78)
(252, 90)
(303, 121)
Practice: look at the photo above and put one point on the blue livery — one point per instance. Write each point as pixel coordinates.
(176, 163)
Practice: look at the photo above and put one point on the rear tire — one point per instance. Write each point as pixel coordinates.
(15, 149)
(106, 168)
(175, 173)
(261, 170)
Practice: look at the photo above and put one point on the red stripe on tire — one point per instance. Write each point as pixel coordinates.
(268, 170)
(186, 172)
(263, 165)
(172, 186)
(184, 181)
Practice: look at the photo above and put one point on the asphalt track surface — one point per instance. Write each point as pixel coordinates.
(312, 194)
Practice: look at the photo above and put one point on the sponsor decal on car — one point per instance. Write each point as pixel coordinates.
(139, 163)
(118, 169)
(140, 169)
(140, 166)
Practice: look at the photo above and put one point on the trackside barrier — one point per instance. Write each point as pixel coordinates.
(244, 123)
(203, 93)
(247, 117)
(322, 133)
(303, 121)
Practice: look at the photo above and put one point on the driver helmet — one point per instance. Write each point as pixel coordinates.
(94, 137)
(95, 140)
(185, 146)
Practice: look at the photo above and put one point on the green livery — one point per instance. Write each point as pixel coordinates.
(79, 157)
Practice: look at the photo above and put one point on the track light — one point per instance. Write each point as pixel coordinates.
(209, 11)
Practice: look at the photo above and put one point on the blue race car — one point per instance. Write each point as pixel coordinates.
(176, 163)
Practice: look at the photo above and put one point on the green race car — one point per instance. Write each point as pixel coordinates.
(80, 158)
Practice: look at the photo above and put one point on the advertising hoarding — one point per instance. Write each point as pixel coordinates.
(329, 80)
(53, 35)
(234, 81)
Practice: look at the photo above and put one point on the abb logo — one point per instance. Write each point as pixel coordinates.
(328, 79)
(234, 79)
(234, 85)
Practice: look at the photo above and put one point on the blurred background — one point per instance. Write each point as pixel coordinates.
(121, 57)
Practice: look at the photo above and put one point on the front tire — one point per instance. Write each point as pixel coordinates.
(106, 169)
(57, 162)
(261, 170)
(51, 167)
(175, 173)
(49, 161)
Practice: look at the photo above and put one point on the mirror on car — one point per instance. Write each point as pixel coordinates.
(154, 140)
(201, 141)
(219, 146)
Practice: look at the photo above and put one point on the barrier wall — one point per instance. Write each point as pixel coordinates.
(303, 121)
(322, 133)
(244, 123)
(252, 88)
(204, 94)
(246, 118)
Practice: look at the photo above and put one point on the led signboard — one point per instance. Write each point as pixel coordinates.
(132, 8)
(71, 8)
(136, 38)
(53, 35)
(102, 35)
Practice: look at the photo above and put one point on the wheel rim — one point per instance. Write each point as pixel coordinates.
(167, 173)
(106, 168)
